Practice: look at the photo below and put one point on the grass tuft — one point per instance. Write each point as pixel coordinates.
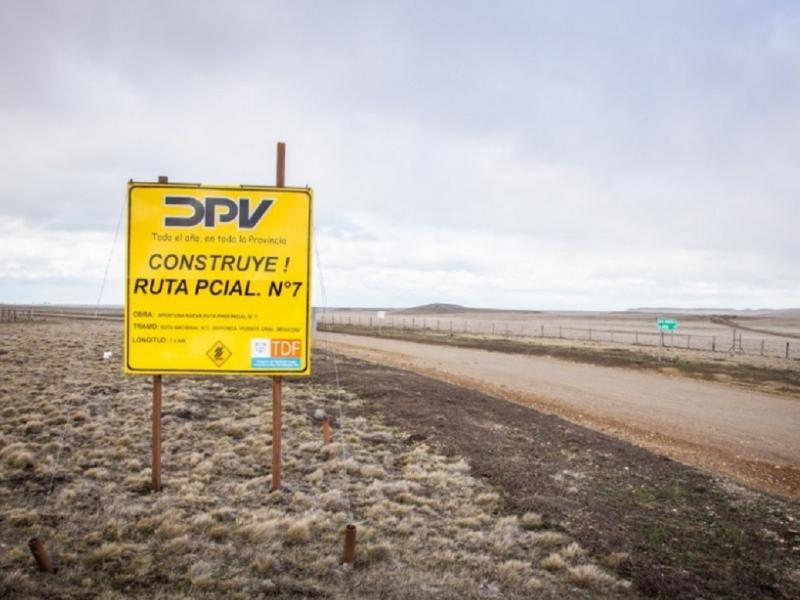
(531, 520)
(298, 532)
(514, 571)
(553, 562)
(573, 551)
(18, 456)
(107, 552)
(615, 560)
(589, 576)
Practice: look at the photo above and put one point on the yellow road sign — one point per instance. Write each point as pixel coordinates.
(218, 280)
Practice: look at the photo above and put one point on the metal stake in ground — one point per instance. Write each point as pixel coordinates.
(155, 470)
(280, 181)
(40, 555)
(156, 465)
(349, 554)
(276, 433)
(326, 430)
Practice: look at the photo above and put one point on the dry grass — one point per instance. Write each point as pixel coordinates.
(426, 527)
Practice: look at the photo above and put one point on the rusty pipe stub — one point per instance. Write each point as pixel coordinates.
(40, 555)
(349, 545)
(326, 430)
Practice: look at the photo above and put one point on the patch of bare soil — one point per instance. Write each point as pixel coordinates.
(674, 531)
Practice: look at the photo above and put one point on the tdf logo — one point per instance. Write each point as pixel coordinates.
(213, 210)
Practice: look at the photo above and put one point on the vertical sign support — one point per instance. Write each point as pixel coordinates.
(149, 235)
(156, 466)
(155, 469)
(277, 382)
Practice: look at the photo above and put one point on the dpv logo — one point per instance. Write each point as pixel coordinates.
(213, 209)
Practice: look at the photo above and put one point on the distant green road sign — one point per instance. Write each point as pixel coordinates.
(667, 324)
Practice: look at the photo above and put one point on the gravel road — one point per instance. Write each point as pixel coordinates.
(751, 437)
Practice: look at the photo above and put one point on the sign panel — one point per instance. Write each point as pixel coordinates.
(667, 324)
(218, 280)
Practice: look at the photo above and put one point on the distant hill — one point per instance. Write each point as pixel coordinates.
(440, 308)
(436, 308)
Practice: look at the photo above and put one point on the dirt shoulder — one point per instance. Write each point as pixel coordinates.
(744, 434)
(685, 533)
(771, 376)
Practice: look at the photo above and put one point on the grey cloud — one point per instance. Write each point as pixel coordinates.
(657, 128)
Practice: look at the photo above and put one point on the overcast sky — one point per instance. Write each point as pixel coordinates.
(543, 155)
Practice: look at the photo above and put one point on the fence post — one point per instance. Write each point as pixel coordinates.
(762, 347)
(492, 327)
(559, 332)
(689, 341)
(714, 344)
(787, 349)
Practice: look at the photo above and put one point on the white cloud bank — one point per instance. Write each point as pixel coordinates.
(574, 156)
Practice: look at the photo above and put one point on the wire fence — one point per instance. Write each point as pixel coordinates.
(9, 315)
(11, 312)
(734, 341)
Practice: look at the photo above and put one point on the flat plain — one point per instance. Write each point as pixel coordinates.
(455, 493)
(74, 470)
(723, 330)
